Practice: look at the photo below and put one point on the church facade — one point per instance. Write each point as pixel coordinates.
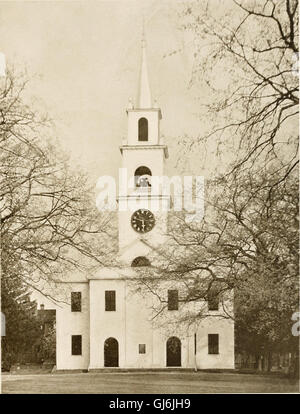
(108, 323)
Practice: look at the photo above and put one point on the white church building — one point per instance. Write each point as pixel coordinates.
(108, 323)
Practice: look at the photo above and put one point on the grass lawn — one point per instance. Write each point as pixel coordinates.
(145, 383)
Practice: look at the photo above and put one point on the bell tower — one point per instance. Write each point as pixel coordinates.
(143, 157)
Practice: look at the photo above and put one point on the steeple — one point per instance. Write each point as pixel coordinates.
(144, 93)
(143, 117)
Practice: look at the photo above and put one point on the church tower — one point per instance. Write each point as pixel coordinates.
(142, 204)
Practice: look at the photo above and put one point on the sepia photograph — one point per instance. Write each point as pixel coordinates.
(149, 199)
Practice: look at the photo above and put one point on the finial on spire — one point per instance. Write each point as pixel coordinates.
(144, 93)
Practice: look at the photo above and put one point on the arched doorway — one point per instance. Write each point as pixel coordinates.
(111, 353)
(173, 352)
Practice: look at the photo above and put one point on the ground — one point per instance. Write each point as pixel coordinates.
(146, 383)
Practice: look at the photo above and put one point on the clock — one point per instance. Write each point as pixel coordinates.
(142, 221)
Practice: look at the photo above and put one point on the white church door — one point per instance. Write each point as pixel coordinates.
(173, 352)
(111, 353)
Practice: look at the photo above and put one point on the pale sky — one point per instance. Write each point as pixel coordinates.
(86, 58)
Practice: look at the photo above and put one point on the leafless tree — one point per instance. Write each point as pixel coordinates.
(247, 54)
(49, 221)
(247, 243)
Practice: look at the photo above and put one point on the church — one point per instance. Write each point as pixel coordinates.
(107, 323)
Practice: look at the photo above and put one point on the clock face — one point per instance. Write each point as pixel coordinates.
(142, 221)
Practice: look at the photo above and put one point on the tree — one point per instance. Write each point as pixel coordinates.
(247, 53)
(22, 325)
(247, 242)
(49, 220)
(48, 346)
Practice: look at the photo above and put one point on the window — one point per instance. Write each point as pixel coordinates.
(110, 300)
(75, 301)
(172, 299)
(76, 344)
(142, 177)
(143, 129)
(142, 348)
(213, 301)
(213, 343)
(140, 261)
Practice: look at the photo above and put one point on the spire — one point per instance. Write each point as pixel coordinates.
(144, 93)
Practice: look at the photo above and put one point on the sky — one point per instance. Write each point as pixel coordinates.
(84, 57)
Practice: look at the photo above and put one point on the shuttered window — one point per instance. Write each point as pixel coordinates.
(76, 344)
(172, 299)
(142, 348)
(213, 301)
(143, 129)
(110, 300)
(213, 343)
(75, 301)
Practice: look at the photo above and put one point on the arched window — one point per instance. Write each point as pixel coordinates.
(142, 177)
(143, 129)
(140, 261)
